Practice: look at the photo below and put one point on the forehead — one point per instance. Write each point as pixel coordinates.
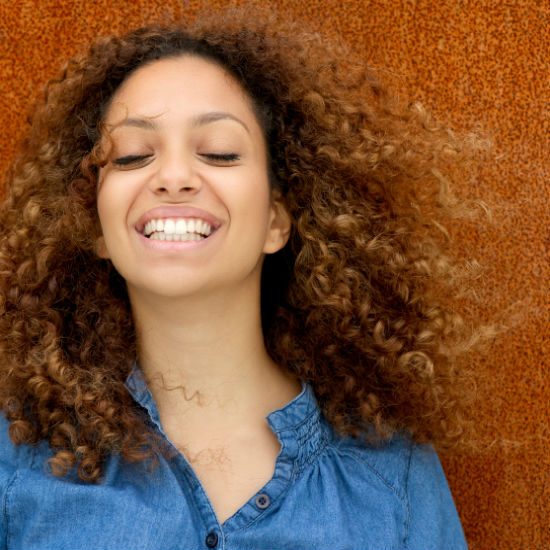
(180, 86)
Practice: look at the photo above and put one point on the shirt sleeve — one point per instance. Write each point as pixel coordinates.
(433, 520)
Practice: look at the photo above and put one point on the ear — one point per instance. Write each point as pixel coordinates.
(101, 248)
(279, 227)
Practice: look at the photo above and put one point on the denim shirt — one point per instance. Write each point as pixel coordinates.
(327, 493)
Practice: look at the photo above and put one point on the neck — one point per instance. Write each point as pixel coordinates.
(205, 360)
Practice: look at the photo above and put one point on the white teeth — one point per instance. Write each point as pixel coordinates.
(199, 229)
(180, 227)
(160, 236)
(169, 226)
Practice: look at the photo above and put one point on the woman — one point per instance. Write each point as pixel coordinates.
(222, 302)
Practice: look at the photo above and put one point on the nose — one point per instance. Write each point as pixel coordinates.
(175, 176)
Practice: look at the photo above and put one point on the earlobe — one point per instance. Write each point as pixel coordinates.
(101, 248)
(279, 228)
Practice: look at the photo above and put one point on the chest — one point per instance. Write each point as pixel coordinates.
(231, 472)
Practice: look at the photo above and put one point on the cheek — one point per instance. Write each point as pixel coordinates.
(250, 187)
(110, 213)
(113, 199)
(103, 213)
(101, 244)
(249, 200)
(102, 200)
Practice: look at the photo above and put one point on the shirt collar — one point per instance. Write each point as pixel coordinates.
(299, 424)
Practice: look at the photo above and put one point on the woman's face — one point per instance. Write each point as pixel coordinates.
(184, 200)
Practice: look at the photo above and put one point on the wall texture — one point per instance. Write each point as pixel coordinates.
(476, 64)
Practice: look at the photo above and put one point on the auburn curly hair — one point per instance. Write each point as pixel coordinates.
(359, 299)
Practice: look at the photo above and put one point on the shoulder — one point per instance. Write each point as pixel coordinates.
(390, 460)
(414, 475)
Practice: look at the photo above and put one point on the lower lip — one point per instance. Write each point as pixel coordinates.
(156, 244)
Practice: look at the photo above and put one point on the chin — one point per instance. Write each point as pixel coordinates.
(160, 289)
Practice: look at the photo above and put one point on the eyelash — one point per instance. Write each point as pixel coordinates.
(217, 157)
(130, 159)
(222, 157)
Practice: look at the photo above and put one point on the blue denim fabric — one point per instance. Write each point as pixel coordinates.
(326, 493)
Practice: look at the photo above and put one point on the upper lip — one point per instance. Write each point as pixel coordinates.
(165, 212)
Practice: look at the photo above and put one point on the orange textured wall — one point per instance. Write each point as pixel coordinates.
(476, 64)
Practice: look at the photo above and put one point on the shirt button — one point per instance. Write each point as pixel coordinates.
(211, 540)
(262, 501)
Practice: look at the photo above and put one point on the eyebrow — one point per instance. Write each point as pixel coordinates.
(198, 120)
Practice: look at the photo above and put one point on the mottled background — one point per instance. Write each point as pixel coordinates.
(476, 65)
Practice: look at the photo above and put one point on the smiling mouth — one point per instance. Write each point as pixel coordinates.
(177, 229)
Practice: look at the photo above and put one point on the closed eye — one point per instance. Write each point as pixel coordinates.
(130, 159)
(221, 157)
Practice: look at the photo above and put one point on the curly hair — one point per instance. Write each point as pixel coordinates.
(359, 300)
